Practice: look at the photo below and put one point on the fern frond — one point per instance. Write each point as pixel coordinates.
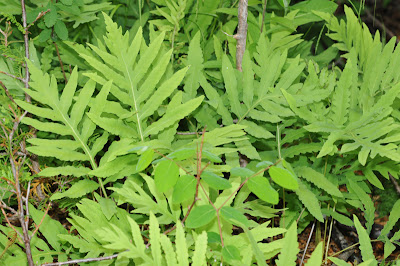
(195, 61)
(140, 81)
(369, 208)
(181, 245)
(316, 256)
(394, 216)
(365, 242)
(135, 195)
(199, 255)
(341, 96)
(318, 180)
(67, 119)
(310, 201)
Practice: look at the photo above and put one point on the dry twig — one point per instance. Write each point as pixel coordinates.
(241, 34)
(396, 185)
(81, 260)
(12, 76)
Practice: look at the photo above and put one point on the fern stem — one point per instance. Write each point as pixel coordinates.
(278, 138)
(253, 106)
(102, 187)
(83, 145)
(220, 229)
(134, 99)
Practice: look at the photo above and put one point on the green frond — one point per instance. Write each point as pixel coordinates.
(135, 195)
(365, 243)
(318, 180)
(394, 216)
(310, 201)
(369, 208)
(140, 81)
(64, 116)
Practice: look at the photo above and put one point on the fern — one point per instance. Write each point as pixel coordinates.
(318, 180)
(394, 216)
(310, 201)
(316, 256)
(136, 70)
(252, 237)
(357, 108)
(65, 117)
(365, 243)
(364, 198)
(261, 101)
(122, 235)
(131, 85)
(114, 122)
(134, 194)
(173, 12)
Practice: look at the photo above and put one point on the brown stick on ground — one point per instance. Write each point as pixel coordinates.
(82, 260)
(241, 34)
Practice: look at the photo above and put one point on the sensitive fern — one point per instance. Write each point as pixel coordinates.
(64, 117)
(121, 234)
(141, 83)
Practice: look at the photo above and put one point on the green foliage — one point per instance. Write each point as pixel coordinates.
(173, 156)
(63, 12)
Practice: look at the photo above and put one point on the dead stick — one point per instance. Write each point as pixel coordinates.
(396, 185)
(12, 76)
(8, 222)
(82, 260)
(241, 33)
(7, 92)
(41, 14)
(61, 63)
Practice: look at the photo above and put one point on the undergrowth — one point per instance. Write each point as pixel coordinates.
(162, 152)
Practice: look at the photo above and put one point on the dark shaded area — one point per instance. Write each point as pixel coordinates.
(383, 15)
